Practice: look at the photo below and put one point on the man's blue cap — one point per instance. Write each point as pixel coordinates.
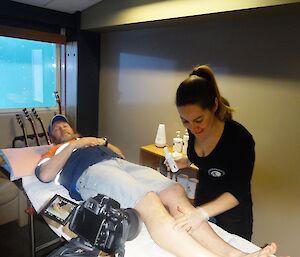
(56, 118)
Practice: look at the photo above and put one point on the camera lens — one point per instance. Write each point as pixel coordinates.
(134, 223)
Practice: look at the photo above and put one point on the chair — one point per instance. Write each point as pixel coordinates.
(13, 202)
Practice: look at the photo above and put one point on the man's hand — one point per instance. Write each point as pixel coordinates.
(93, 141)
(87, 141)
(189, 220)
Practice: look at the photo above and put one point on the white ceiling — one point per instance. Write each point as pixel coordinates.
(67, 6)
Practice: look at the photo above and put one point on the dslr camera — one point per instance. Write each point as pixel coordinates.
(101, 222)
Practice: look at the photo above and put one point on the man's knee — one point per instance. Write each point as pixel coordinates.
(150, 207)
(176, 190)
(145, 202)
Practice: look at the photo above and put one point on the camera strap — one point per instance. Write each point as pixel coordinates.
(75, 248)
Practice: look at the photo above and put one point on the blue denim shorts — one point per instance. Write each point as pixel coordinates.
(121, 180)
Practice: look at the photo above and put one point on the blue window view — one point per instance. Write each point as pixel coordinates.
(27, 73)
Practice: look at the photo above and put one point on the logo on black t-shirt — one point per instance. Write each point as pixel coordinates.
(216, 173)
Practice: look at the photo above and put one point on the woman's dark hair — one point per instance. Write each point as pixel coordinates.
(228, 114)
(200, 88)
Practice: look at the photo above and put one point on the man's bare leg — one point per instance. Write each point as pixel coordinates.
(175, 196)
(160, 225)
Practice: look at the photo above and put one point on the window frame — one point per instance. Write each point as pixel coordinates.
(28, 34)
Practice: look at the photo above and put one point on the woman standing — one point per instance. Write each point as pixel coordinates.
(222, 149)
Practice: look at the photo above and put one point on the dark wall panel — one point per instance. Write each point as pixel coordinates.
(88, 83)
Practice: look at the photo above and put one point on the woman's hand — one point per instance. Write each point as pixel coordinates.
(190, 220)
(182, 163)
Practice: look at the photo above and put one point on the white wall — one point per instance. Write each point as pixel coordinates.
(113, 13)
(256, 58)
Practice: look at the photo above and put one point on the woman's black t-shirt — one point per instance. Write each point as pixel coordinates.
(228, 168)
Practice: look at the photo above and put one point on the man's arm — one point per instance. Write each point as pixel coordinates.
(52, 167)
(116, 150)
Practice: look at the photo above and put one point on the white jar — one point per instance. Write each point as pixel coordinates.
(161, 139)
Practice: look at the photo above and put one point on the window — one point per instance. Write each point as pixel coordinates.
(29, 73)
